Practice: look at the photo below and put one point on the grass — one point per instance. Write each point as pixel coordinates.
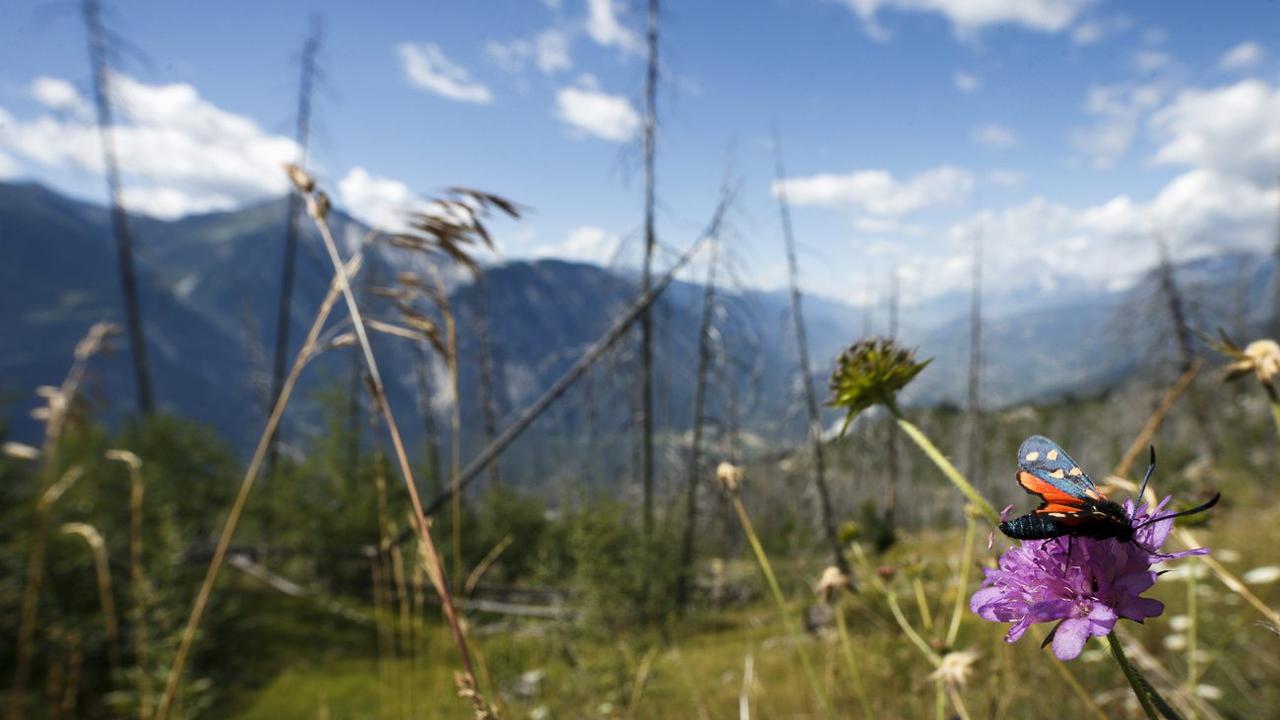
(589, 673)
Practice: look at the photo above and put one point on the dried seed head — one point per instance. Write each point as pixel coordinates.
(832, 582)
(318, 205)
(125, 457)
(86, 531)
(871, 372)
(95, 339)
(1262, 357)
(20, 451)
(729, 476)
(300, 178)
(955, 668)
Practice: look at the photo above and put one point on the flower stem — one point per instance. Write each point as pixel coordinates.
(1275, 411)
(1193, 589)
(854, 676)
(962, 583)
(763, 560)
(946, 467)
(1131, 674)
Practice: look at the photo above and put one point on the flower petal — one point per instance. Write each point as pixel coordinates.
(1070, 638)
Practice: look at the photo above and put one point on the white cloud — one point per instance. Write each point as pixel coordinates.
(965, 82)
(58, 94)
(585, 244)
(428, 69)
(1241, 57)
(9, 168)
(1120, 110)
(376, 201)
(548, 50)
(597, 113)
(1198, 212)
(968, 17)
(1230, 129)
(994, 136)
(178, 152)
(886, 226)
(606, 29)
(1150, 61)
(552, 51)
(876, 192)
(1095, 30)
(1007, 178)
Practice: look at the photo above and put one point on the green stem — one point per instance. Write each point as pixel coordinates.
(1136, 681)
(1193, 588)
(912, 635)
(963, 583)
(763, 560)
(854, 675)
(1275, 413)
(947, 468)
(939, 700)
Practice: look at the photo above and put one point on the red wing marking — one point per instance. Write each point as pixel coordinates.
(1053, 496)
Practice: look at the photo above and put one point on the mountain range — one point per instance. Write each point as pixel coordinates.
(209, 288)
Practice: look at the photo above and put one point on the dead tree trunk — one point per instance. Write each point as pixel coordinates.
(302, 131)
(892, 469)
(646, 320)
(684, 579)
(1186, 350)
(802, 347)
(115, 192)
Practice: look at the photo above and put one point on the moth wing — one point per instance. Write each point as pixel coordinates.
(1046, 461)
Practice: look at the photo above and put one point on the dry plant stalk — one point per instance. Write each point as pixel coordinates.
(102, 573)
(54, 414)
(137, 580)
(317, 205)
(310, 348)
(406, 632)
(1184, 535)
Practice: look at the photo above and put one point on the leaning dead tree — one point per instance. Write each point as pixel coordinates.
(802, 348)
(593, 354)
(646, 319)
(302, 132)
(685, 577)
(92, 12)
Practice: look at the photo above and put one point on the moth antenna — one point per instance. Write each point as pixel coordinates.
(1184, 513)
(1145, 478)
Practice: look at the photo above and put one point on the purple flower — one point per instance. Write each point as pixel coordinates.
(1101, 582)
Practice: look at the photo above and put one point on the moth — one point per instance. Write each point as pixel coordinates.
(1071, 504)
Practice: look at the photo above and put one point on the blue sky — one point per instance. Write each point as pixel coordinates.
(1066, 132)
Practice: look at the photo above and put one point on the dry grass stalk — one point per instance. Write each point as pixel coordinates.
(102, 572)
(485, 563)
(310, 348)
(402, 458)
(1143, 440)
(137, 580)
(58, 402)
(406, 632)
(642, 678)
(1139, 444)
(467, 691)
